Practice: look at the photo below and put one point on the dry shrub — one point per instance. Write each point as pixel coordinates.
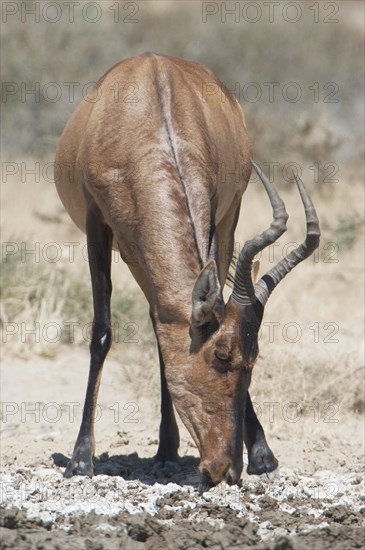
(46, 305)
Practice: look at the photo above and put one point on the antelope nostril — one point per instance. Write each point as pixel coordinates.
(214, 471)
(233, 477)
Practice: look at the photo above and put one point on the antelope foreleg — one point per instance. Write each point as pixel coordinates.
(261, 459)
(167, 456)
(99, 241)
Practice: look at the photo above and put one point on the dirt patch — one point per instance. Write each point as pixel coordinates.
(147, 511)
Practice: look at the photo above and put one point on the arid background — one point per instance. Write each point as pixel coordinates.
(297, 69)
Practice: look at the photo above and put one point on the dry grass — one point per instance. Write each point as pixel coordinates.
(47, 304)
(238, 52)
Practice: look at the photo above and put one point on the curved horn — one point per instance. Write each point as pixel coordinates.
(268, 282)
(243, 290)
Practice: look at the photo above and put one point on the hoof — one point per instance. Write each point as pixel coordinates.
(261, 460)
(168, 466)
(81, 463)
(78, 468)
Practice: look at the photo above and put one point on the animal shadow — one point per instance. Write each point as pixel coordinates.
(131, 467)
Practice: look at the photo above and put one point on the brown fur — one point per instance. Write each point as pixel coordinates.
(157, 171)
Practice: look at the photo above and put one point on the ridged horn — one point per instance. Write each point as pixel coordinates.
(244, 292)
(243, 289)
(272, 278)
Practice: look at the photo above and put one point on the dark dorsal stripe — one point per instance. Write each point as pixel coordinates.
(160, 93)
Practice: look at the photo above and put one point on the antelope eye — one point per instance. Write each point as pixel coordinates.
(222, 354)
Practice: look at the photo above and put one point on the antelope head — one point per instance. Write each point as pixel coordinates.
(210, 391)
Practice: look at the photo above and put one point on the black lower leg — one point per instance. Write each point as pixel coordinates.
(99, 241)
(260, 457)
(169, 432)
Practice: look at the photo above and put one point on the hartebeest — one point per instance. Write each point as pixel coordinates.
(151, 153)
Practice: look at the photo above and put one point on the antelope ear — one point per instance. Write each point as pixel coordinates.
(205, 294)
